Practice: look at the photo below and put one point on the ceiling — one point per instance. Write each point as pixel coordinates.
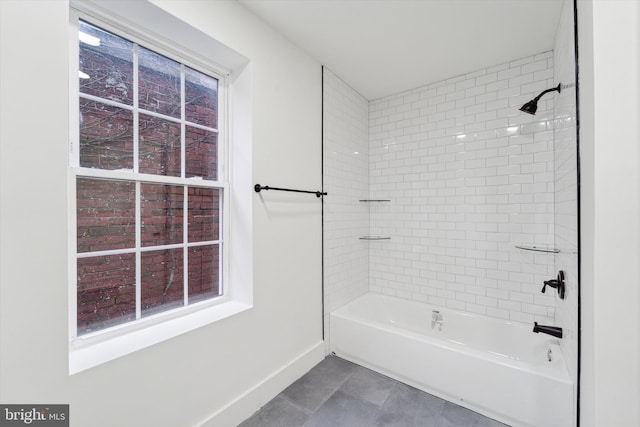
(382, 47)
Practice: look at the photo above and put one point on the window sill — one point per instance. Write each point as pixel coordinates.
(86, 353)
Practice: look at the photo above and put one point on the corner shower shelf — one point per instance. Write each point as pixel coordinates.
(374, 237)
(538, 248)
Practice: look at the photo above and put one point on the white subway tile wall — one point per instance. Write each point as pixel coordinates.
(566, 187)
(346, 180)
(469, 177)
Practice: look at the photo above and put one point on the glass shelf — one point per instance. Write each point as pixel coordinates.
(374, 237)
(535, 248)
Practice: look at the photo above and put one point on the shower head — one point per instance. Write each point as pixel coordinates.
(531, 106)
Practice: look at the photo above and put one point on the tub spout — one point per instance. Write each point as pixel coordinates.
(551, 330)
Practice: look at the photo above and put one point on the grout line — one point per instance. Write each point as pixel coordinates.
(305, 410)
(380, 409)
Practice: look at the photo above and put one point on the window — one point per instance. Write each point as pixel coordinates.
(160, 180)
(149, 182)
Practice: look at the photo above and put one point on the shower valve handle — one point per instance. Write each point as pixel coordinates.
(557, 283)
(553, 283)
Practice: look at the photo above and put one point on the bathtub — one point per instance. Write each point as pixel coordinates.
(498, 368)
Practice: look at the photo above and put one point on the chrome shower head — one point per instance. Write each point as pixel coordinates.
(531, 106)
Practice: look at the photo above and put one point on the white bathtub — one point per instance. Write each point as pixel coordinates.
(497, 368)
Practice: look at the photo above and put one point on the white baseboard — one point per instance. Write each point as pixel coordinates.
(249, 402)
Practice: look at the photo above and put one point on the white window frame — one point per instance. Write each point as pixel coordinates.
(98, 347)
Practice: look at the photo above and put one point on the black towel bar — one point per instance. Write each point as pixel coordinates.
(259, 188)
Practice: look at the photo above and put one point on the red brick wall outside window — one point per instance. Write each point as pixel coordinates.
(145, 244)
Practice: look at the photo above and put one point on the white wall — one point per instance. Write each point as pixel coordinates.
(469, 177)
(346, 179)
(609, 108)
(566, 187)
(201, 375)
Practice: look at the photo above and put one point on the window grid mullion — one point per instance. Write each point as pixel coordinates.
(127, 175)
(221, 244)
(183, 174)
(144, 249)
(136, 169)
(138, 251)
(145, 112)
(223, 171)
(136, 112)
(183, 136)
(185, 249)
(106, 101)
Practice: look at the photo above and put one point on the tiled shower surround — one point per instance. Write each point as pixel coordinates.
(346, 179)
(467, 177)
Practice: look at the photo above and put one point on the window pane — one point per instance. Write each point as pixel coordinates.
(140, 219)
(106, 291)
(106, 136)
(204, 267)
(106, 64)
(105, 214)
(162, 281)
(201, 153)
(161, 214)
(204, 214)
(201, 104)
(159, 83)
(159, 144)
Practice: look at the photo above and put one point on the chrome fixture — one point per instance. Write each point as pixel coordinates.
(436, 319)
(551, 330)
(531, 106)
(558, 283)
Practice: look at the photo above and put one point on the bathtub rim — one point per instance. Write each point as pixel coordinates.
(557, 372)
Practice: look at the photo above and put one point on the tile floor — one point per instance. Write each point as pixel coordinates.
(338, 393)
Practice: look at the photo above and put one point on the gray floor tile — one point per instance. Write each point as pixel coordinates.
(368, 385)
(405, 397)
(409, 407)
(431, 407)
(338, 393)
(395, 419)
(279, 412)
(457, 416)
(343, 410)
(317, 385)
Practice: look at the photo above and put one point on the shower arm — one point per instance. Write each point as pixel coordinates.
(553, 89)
